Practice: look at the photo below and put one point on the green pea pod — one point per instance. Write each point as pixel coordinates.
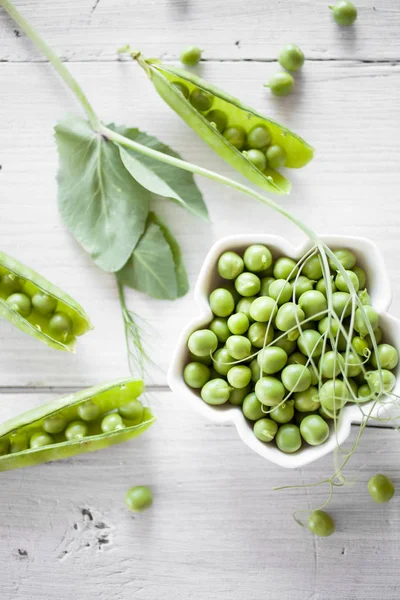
(20, 436)
(24, 280)
(298, 152)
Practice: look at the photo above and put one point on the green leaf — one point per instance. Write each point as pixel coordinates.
(155, 267)
(100, 202)
(158, 177)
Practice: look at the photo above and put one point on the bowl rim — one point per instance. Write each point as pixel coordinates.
(229, 413)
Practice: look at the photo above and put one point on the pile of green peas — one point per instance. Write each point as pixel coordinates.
(72, 424)
(256, 144)
(264, 351)
(45, 312)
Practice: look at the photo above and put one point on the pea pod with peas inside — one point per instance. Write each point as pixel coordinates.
(238, 133)
(89, 420)
(36, 306)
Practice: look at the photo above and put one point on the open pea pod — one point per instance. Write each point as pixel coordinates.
(89, 420)
(176, 87)
(38, 307)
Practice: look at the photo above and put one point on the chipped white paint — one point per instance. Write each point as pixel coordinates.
(216, 529)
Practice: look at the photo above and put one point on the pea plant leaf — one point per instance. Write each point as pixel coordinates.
(155, 267)
(158, 177)
(102, 204)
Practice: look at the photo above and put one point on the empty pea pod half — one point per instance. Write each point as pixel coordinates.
(251, 143)
(38, 307)
(86, 421)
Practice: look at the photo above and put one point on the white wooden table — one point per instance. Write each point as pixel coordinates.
(217, 530)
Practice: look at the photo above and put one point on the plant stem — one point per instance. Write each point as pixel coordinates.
(54, 60)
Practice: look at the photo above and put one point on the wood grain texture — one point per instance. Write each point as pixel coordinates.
(93, 29)
(349, 112)
(216, 529)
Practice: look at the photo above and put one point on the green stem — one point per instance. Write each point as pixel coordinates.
(54, 60)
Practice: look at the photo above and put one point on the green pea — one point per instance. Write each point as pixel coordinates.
(239, 376)
(244, 304)
(255, 370)
(285, 268)
(223, 361)
(215, 392)
(328, 414)
(138, 498)
(238, 323)
(314, 304)
(344, 13)
(269, 391)
(286, 344)
(195, 375)
(21, 303)
(297, 358)
(238, 346)
(40, 439)
(182, 88)
(307, 401)
(364, 297)
(321, 524)
(283, 413)
(314, 430)
(312, 268)
(230, 265)
(346, 258)
(341, 303)
(333, 394)
(236, 136)
(380, 381)
(263, 309)
(237, 396)
(281, 291)
(296, 378)
(203, 342)
(265, 283)
(18, 443)
(10, 284)
(321, 286)
(364, 394)
(360, 346)
(204, 360)
(220, 327)
(362, 277)
(265, 430)
(281, 84)
(60, 325)
(54, 424)
(353, 363)
(341, 283)
(252, 408)
(190, 56)
(201, 100)
(291, 57)
(302, 285)
(388, 357)
(44, 304)
(256, 157)
(288, 316)
(272, 359)
(276, 156)
(76, 430)
(218, 118)
(259, 137)
(331, 365)
(288, 438)
(112, 422)
(310, 343)
(90, 411)
(258, 336)
(221, 302)
(257, 258)
(353, 389)
(247, 284)
(133, 410)
(323, 326)
(378, 337)
(381, 488)
(360, 321)
(4, 447)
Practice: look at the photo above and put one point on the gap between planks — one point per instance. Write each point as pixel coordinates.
(169, 59)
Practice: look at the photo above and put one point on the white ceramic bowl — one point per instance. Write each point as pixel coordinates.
(368, 257)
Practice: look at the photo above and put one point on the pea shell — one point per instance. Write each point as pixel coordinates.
(109, 396)
(298, 152)
(36, 325)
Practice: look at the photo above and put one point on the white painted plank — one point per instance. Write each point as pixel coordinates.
(349, 112)
(93, 29)
(216, 529)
